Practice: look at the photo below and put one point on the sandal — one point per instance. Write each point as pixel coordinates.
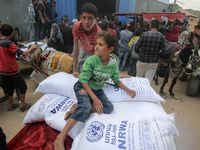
(14, 107)
(26, 107)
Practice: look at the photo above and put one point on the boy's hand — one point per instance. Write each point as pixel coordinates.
(76, 74)
(98, 106)
(132, 93)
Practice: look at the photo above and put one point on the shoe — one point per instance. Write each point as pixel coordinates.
(26, 107)
(14, 107)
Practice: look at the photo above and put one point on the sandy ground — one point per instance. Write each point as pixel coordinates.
(187, 110)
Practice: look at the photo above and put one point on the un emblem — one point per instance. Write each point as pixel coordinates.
(95, 131)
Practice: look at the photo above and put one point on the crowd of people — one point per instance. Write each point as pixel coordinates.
(84, 38)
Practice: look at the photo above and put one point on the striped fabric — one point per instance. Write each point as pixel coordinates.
(87, 42)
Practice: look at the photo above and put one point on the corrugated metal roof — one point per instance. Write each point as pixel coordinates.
(66, 7)
(126, 6)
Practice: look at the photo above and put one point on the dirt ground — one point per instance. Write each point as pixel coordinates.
(187, 110)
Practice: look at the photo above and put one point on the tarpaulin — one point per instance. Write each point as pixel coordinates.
(170, 16)
(36, 136)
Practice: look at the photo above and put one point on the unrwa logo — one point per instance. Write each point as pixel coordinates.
(95, 131)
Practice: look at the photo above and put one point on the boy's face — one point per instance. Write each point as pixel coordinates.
(88, 21)
(52, 3)
(101, 48)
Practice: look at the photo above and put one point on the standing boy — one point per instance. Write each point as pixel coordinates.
(85, 31)
(9, 67)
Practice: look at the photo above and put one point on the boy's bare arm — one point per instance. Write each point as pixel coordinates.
(96, 102)
(132, 93)
(75, 58)
(33, 47)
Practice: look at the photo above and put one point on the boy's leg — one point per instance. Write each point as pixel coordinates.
(120, 55)
(59, 142)
(107, 105)
(20, 83)
(10, 90)
(4, 90)
(80, 113)
(130, 66)
(18, 93)
(124, 60)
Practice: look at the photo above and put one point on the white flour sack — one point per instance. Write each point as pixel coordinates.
(144, 91)
(59, 83)
(52, 108)
(114, 132)
(63, 84)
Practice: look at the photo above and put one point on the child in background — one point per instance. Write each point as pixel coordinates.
(9, 68)
(97, 69)
(134, 56)
(17, 36)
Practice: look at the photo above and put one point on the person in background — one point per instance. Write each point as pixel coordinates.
(42, 18)
(134, 56)
(9, 68)
(173, 36)
(125, 37)
(97, 69)
(148, 48)
(74, 21)
(33, 18)
(116, 28)
(16, 35)
(67, 37)
(56, 38)
(163, 28)
(110, 29)
(61, 23)
(55, 12)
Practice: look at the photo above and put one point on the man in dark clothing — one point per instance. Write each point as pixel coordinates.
(43, 19)
(148, 47)
(67, 37)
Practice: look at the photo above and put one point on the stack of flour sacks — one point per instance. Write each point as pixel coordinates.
(138, 123)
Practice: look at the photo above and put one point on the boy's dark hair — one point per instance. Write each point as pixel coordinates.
(109, 38)
(33, 1)
(89, 8)
(6, 29)
(66, 20)
(104, 26)
(197, 27)
(138, 32)
(155, 23)
(128, 26)
(110, 25)
(163, 22)
(17, 28)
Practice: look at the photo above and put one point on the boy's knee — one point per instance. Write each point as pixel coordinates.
(108, 109)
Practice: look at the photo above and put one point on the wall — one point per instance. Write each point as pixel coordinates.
(15, 13)
(192, 22)
(151, 6)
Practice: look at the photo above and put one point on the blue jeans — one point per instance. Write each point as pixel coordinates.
(122, 52)
(82, 112)
(132, 64)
